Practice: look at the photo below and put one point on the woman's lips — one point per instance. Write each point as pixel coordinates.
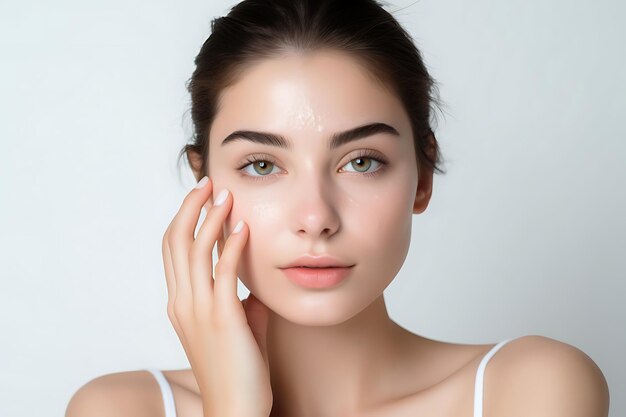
(317, 277)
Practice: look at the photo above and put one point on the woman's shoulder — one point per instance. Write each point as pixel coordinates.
(127, 393)
(533, 374)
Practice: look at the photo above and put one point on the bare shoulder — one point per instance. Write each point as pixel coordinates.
(130, 393)
(539, 376)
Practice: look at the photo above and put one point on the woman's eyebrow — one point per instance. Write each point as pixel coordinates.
(338, 139)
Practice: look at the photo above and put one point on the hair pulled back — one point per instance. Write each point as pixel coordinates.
(256, 30)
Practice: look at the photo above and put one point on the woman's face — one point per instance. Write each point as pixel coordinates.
(311, 198)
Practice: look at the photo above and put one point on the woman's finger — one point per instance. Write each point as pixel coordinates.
(169, 279)
(201, 252)
(225, 287)
(181, 237)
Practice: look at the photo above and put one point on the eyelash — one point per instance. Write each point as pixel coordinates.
(365, 153)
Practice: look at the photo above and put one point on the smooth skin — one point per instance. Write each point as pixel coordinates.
(333, 353)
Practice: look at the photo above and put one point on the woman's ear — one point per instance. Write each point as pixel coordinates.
(195, 161)
(425, 183)
(423, 192)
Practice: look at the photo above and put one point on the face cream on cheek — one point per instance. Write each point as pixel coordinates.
(265, 212)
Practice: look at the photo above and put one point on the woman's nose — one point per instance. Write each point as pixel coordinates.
(315, 211)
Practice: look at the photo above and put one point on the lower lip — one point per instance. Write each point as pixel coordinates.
(317, 277)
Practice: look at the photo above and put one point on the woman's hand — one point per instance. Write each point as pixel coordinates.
(223, 338)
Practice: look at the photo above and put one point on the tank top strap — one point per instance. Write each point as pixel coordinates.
(480, 376)
(166, 392)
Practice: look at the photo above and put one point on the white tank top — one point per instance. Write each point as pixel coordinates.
(166, 392)
(170, 409)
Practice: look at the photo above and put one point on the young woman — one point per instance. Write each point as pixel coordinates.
(313, 150)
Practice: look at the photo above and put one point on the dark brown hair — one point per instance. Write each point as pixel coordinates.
(256, 30)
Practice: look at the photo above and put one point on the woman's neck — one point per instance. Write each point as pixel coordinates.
(335, 370)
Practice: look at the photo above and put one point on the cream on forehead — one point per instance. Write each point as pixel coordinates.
(298, 108)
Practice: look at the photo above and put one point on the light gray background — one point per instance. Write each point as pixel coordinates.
(524, 235)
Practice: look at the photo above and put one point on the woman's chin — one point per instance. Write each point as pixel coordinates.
(315, 310)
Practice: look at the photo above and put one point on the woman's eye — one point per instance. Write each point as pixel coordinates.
(363, 164)
(261, 167)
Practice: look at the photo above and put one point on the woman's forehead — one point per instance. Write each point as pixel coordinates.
(326, 91)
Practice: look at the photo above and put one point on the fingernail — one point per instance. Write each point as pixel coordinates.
(202, 182)
(221, 197)
(238, 227)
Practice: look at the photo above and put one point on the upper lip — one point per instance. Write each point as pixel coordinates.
(323, 261)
